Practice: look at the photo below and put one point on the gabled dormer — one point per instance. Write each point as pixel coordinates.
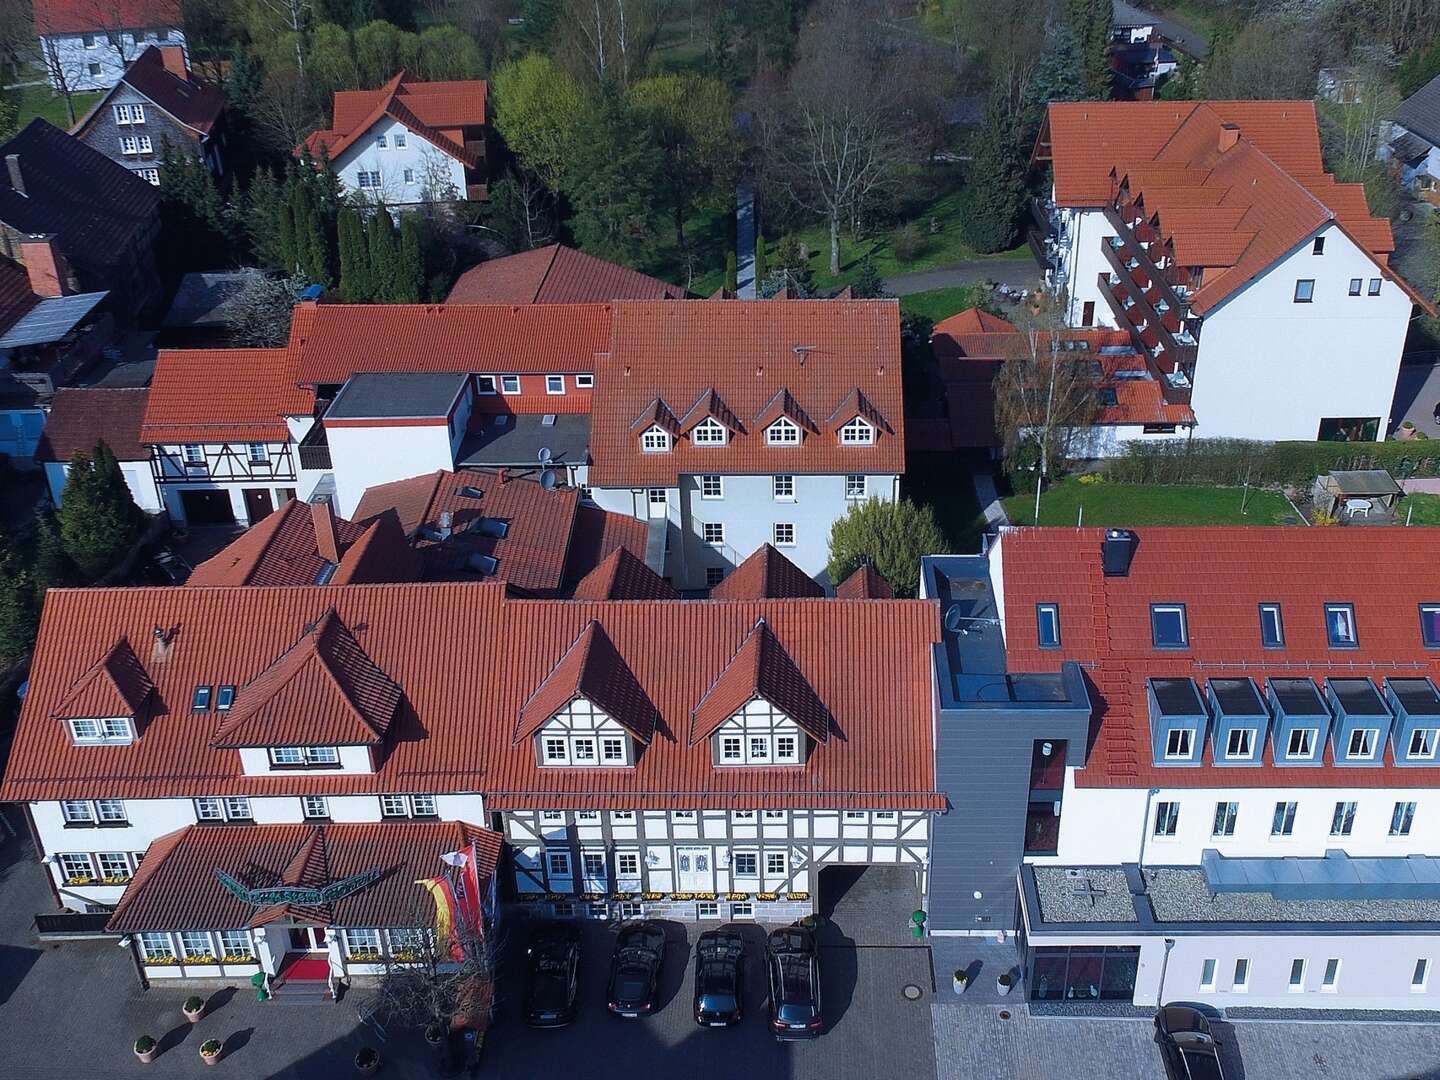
(590, 711)
(656, 428)
(322, 706)
(761, 710)
(710, 421)
(107, 704)
(783, 421)
(856, 422)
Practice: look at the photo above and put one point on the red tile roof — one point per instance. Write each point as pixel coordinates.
(761, 669)
(176, 887)
(599, 538)
(591, 668)
(623, 576)
(865, 584)
(116, 685)
(466, 659)
(437, 112)
(757, 356)
(556, 275)
(219, 395)
(82, 416)
(1221, 575)
(75, 16)
(766, 574)
(323, 691)
(191, 100)
(16, 296)
(1234, 211)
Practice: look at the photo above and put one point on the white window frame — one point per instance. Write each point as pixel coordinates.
(712, 486)
(554, 384)
(122, 114)
(1226, 814)
(196, 944)
(782, 487)
(408, 175)
(1342, 818)
(557, 863)
(1330, 976)
(313, 807)
(209, 808)
(156, 945)
(77, 812)
(111, 812)
(1240, 979)
(486, 386)
(151, 175)
(783, 533)
(783, 432)
(552, 817)
(1344, 631)
(584, 382)
(856, 486)
(1296, 983)
(857, 432)
(1167, 820)
(1423, 742)
(554, 750)
(400, 140)
(95, 731)
(258, 453)
(1282, 819)
(1420, 975)
(1207, 973)
(627, 864)
(713, 533)
(619, 816)
(362, 944)
(510, 384)
(1368, 739)
(709, 432)
(747, 864)
(655, 440)
(732, 749)
(129, 145)
(381, 142)
(236, 943)
(612, 749)
(583, 750)
(787, 749)
(119, 865)
(394, 806)
(1402, 819)
(76, 867)
(1179, 742)
(237, 808)
(137, 114)
(742, 909)
(777, 864)
(146, 146)
(1306, 737)
(707, 909)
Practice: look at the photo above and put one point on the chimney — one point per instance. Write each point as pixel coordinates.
(173, 57)
(17, 179)
(49, 276)
(1229, 136)
(323, 518)
(445, 525)
(161, 651)
(1116, 552)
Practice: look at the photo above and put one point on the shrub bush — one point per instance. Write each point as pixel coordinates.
(908, 242)
(1230, 462)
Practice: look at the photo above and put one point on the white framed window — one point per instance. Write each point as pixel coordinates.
(709, 432)
(554, 384)
(856, 815)
(656, 497)
(627, 864)
(784, 534)
(1242, 975)
(783, 487)
(1167, 626)
(304, 755)
(742, 910)
(582, 751)
(592, 865)
(1340, 626)
(408, 175)
(114, 729)
(394, 806)
(855, 486)
(114, 866)
(1282, 822)
(87, 40)
(152, 176)
(209, 809)
(1420, 975)
(883, 816)
(237, 808)
(362, 944)
(1301, 742)
(787, 748)
(774, 815)
(259, 453)
(315, 806)
(747, 864)
(122, 114)
(195, 945)
(1207, 974)
(760, 748)
(655, 440)
(712, 486)
(1362, 742)
(1239, 742)
(400, 140)
(584, 382)
(1167, 818)
(1177, 743)
(731, 748)
(1342, 821)
(713, 532)
(612, 749)
(619, 816)
(556, 750)
(382, 142)
(1402, 817)
(552, 817)
(714, 575)
(858, 432)
(1297, 975)
(1330, 979)
(742, 815)
(510, 384)
(128, 145)
(557, 863)
(194, 454)
(94, 69)
(682, 815)
(146, 146)
(156, 946)
(783, 432)
(110, 811)
(77, 812)
(76, 867)
(587, 815)
(1272, 626)
(1225, 815)
(707, 909)
(1422, 743)
(775, 863)
(236, 945)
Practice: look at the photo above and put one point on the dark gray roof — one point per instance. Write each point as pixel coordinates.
(1408, 148)
(203, 299)
(1365, 482)
(397, 395)
(517, 440)
(1420, 112)
(50, 320)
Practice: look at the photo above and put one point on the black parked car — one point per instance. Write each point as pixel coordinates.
(167, 568)
(794, 984)
(719, 977)
(554, 975)
(1186, 1044)
(635, 969)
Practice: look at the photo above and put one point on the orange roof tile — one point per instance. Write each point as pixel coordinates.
(219, 395)
(761, 669)
(596, 537)
(591, 668)
(864, 584)
(623, 576)
(430, 110)
(117, 685)
(556, 275)
(766, 574)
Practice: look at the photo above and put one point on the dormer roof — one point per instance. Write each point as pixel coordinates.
(766, 575)
(865, 584)
(591, 668)
(857, 404)
(783, 403)
(622, 576)
(115, 685)
(323, 691)
(656, 414)
(710, 404)
(761, 669)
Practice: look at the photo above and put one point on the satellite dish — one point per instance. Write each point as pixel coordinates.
(545, 455)
(954, 615)
(547, 480)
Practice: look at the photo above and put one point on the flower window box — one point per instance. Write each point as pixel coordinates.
(161, 961)
(82, 879)
(200, 958)
(405, 956)
(116, 879)
(238, 958)
(365, 955)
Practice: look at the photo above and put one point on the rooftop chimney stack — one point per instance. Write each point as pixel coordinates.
(1117, 551)
(173, 57)
(1229, 136)
(326, 543)
(445, 525)
(49, 275)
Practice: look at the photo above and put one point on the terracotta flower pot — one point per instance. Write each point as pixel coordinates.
(213, 1056)
(147, 1056)
(193, 1015)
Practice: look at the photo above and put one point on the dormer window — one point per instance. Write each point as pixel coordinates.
(303, 756)
(655, 440)
(709, 432)
(112, 729)
(485, 384)
(858, 432)
(783, 432)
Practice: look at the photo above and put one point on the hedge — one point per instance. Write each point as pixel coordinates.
(1240, 461)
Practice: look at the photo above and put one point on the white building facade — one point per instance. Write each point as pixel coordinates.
(80, 61)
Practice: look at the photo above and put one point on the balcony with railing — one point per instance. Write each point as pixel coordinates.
(315, 448)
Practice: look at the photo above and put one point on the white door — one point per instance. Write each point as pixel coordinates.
(694, 870)
(659, 503)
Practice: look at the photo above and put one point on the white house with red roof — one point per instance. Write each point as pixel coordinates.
(1223, 784)
(408, 142)
(87, 44)
(1258, 288)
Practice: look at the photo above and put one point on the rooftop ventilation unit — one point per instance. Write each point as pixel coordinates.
(483, 564)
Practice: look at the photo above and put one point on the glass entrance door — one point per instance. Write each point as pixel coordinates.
(307, 939)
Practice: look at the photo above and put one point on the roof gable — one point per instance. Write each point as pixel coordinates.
(430, 110)
(115, 685)
(622, 576)
(766, 574)
(710, 406)
(81, 416)
(323, 691)
(556, 275)
(864, 584)
(761, 668)
(594, 669)
(857, 404)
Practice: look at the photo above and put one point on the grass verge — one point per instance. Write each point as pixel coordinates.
(1151, 504)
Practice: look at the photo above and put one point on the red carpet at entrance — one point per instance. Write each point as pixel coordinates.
(307, 967)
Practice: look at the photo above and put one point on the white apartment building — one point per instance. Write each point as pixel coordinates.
(1258, 288)
(87, 46)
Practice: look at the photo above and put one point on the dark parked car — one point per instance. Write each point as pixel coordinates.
(794, 984)
(1186, 1044)
(635, 969)
(554, 975)
(719, 977)
(167, 568)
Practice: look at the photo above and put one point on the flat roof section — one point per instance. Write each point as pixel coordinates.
(516, 440)
(1358, 697)
(1298, 697)
(1418, 697)
(403, 395)
(1177, 697)
(1237, 697)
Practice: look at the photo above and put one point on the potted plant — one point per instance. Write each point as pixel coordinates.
(194, 1008)
(1004, 982)
(210, 1051)
(146, 1048)
(960, 980)
(367, 1061)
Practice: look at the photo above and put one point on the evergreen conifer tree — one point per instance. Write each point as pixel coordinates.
(98, 518)
(760, 269)
(731, 282)
(51, 567)
(384, 257)
(410, 263)
(995, 182)
(18, 613)
(355, 286)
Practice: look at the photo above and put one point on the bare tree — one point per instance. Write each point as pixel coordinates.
(258, 313)
(295, 16)
(62, 67)
(611, 40)
(284, 110)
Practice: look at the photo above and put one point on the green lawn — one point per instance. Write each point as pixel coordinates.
(938, 304)
(1419, 509)
(1150, 504)
(950, 494)
(709, 236)
(40, 101)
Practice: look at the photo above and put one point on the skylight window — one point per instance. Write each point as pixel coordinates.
(1047, 625)
(1340, 626)
(1272, 626)
(1108, 398)
(1430, 625)
(201, 701)
(1167, 626)
(709, 432)
(224, 698)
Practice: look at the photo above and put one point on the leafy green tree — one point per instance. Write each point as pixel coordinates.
(995, 182)
(9, 114)
(384, 256)
(356, 286)
(731, 281)
(760, 267)
(19, 614)
(692, 118)
(410, 263)
(379, 52)
(616, 173)
(195, 232)
(538, 109)
(1418, 68)
(790, 271)
(891, 535)
(50, 566)
(98, 517)
(446, 52)
(1183, 83)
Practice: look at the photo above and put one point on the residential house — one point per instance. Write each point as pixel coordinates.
(103, 220)
(1212, 787)
(408, 142)
(556, 274)
(1412, 142)
(1212, 234)
(82, 416)
(87, 44)
(157, 101)
(708, 760)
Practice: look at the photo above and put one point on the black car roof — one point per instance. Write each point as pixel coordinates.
(791, 939)
(719, 944)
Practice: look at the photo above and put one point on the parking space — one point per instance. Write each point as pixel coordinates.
(872, 1028)
(871, 905)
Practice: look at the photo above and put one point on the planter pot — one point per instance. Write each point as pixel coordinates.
(210, 1059)
(193, 1015)
(1002, 986)
(149, 1055)
(368, 1067)
(959, 985)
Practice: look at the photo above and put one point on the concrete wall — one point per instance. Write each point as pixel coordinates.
(433, 174)
(78, 61)
(365, 456)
